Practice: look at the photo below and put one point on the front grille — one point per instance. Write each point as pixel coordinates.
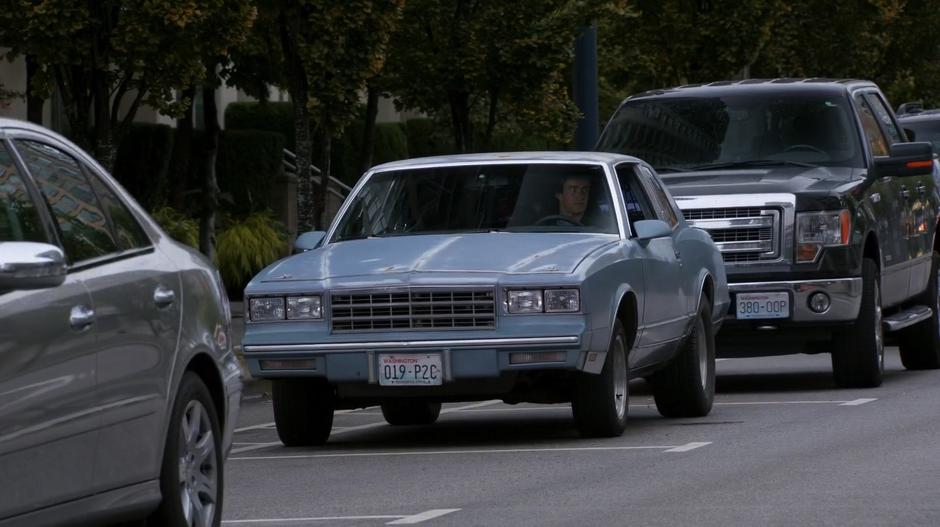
(742, 234)
(418, 308)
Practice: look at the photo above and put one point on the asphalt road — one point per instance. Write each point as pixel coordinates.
(782, 446)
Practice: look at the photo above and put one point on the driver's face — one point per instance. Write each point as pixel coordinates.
(573, 198)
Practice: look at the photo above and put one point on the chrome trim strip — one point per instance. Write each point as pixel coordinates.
(340, 346)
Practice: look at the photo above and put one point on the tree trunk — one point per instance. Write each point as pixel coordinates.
(210, 187)
(491, 119)
(325, 171)
(182, 148)
(34, 103)
(298, 89)
(368, 129)
(460, 117)
(104, 145)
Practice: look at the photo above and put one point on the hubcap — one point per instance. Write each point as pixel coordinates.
(936, 303)
(198, 470)
(879, 331)
(702, 354)
(620, 379)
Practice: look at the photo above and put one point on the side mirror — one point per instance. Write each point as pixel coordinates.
(29, 265)
(308, 240)
(906, 159)
(647, 230)
(910, 134)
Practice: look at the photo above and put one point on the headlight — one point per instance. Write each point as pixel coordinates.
(304, 307)
(562, 300)
(815, 230)
(525, 301)
(266, 308)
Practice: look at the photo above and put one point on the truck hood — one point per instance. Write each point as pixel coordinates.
(500, 252)
(792, 180)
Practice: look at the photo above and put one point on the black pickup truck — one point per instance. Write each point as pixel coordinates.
(826, 215)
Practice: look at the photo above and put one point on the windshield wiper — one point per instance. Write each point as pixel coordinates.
(752, 163)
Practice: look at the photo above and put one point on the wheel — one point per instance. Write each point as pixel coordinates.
(920, 343)
(303, 411)
(410, 412)
(686, 388)
(191, 474)
(858, 357)
(599, 402)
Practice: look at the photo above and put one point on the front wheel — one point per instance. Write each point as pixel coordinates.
(686, 388)
(858, 357)
(920, 343)
(191, 474)
(303, 411)
(599, 403)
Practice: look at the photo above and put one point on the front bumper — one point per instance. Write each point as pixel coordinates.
(845, 296)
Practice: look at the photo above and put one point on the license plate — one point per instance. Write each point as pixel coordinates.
(763, 305)
(410, 369)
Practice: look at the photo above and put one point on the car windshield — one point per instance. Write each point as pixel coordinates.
(746, 130)
(925, 130)
(468, 198)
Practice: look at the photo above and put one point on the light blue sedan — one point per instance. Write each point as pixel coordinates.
(542, 277)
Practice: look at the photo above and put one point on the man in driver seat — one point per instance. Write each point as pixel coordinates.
(573, 196)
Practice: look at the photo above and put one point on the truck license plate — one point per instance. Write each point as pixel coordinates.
(763, 305)
(412, 369)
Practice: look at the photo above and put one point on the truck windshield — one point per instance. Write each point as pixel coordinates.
(746, 130)
(525, 197)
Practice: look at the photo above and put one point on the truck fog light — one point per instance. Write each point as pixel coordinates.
(819, 302)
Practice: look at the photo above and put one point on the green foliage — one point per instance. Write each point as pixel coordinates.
(246, 246)
(178, 226)
(426, 137)
(249, 161)
(391, 143)
(142, 164)
(269, 116)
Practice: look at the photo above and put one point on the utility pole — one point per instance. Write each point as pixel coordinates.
(585, 88)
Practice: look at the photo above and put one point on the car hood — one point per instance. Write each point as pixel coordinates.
(793, 180)
(501, 252)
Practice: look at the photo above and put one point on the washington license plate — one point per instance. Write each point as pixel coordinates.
(411, 369)
(763, 305)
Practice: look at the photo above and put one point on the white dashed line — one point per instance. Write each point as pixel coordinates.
(424, 516)
(689, 446)
(858, 402)
(397, 519)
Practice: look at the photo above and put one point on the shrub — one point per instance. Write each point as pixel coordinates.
(275, 117)
(391, 143)
(142, 163)
(426, 138)
(248, 163)
(178, 226)
(246, 246)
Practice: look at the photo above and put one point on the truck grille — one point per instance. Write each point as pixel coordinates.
(418, 308)
(742, 234)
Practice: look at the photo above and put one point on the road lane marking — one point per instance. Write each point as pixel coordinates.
(470, 406)
(666, 448)
(270, 425)
(689, 446)
(317, 519)
(424, 516)
(858, 402)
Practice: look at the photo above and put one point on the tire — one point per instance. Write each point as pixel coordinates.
(303, 411)
(410, 412)
(920, 344)
(686, 388)
(858, 357)
(191, 473)
(599, 402)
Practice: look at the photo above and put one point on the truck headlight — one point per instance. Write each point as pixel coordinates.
(266, 308)
(304, 307)
(562, 300)
(815, 230)
(525, 301)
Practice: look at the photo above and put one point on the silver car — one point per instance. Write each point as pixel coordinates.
(119, 389)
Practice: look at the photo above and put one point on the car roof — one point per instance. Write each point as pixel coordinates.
(510, 157)
(925, 115)
(822, 86)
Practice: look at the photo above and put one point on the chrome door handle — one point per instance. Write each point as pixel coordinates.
(81, 317)
(905, 193)
(922, 189)
(163, 296)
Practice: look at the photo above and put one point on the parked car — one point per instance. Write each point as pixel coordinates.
(539, 277)
(923, 125)
(825, 214)
(120, 389)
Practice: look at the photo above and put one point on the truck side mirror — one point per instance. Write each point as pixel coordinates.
(906, 159)
(308, 240)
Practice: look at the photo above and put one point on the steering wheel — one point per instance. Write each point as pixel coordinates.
(554, 218)
(804, 147)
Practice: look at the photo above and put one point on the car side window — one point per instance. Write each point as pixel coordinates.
(129, 233)
(667, 212)
(876, 138)
(883, 115)
(635, 199)
(19, 218)
(71, 199)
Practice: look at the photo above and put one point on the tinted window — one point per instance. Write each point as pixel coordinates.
(876, 138)
(883, 115)
(925, 130)
(19, 219)
(128, 232)
(687, 133)
(664, 205)
(635, 199)
(83, 225)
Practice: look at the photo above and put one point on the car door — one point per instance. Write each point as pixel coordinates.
(48, 364)
(664, 319)
(135, 291)
(889, 211)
